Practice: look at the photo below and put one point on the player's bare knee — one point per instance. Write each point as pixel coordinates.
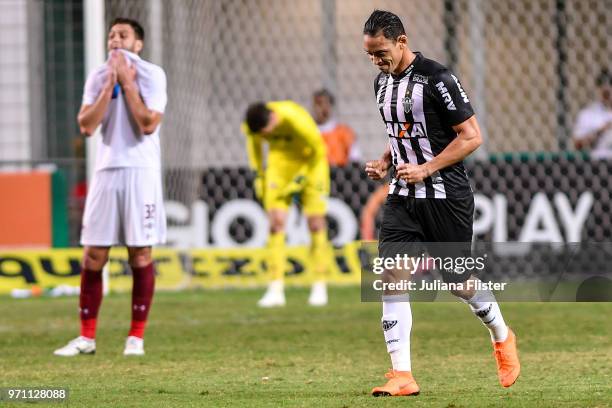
(277, 221)
(276, 227)
(94, 258)
(391, 275)
(392, 279)
(465, 294)
(316, 223)
(140, 257)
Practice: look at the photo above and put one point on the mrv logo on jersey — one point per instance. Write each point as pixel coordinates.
(461, 91)
(448, 100)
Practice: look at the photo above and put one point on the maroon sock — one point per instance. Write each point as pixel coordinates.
(142, 295)
(90, 299)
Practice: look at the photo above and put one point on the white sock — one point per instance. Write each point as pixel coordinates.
(484, 307)
(276, 285)
(397, 323)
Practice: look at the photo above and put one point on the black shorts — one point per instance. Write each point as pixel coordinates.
(441, 227)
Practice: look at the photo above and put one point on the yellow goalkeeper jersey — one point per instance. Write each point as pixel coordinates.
(295, 142)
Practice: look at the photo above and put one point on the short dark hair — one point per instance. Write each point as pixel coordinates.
(326, 93)
(140, 34)
(257, 116)
(604, 78)
(386, 22)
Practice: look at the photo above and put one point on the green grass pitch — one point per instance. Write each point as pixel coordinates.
(217, 349)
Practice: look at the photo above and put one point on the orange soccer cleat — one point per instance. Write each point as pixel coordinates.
(401, 383)
(506, 356)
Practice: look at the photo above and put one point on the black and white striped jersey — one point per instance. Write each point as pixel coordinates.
(419, 108)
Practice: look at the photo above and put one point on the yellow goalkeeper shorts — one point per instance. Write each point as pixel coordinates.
(314, 195)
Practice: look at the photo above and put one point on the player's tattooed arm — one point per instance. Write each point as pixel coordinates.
(147, 119)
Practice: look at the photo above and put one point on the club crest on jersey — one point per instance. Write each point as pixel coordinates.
(407, 102)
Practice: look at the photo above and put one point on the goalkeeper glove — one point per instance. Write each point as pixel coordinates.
(295, 187)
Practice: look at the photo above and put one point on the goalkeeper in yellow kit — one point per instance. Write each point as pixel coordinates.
(296, 166)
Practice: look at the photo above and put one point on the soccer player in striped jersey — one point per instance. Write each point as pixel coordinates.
(296, 166)
(431, 128)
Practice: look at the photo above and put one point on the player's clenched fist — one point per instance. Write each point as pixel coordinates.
(126, 74)
(295, 186)
(412, 173)
(376, 169)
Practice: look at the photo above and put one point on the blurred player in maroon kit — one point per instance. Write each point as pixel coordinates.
(124, 206)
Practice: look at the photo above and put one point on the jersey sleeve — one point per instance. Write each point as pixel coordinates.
(378, 81)
(93, 85)
(153, 90)
(452, 100)
(254, 153)
(306, 128)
